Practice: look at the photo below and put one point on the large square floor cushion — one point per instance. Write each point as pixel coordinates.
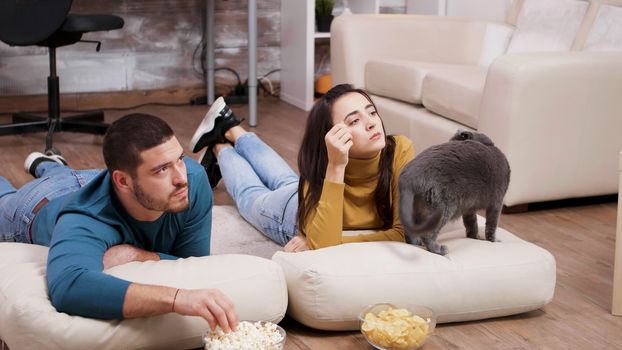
(231, 234)
(28, 320)
(476, 280)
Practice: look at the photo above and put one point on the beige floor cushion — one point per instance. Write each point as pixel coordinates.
(231, 234)
(28, 320)
(476, 280)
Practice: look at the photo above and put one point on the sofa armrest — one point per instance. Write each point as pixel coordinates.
(355, 39)
(557, 117)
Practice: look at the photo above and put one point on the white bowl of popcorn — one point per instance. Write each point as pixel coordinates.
(250, 335)
(389, 326)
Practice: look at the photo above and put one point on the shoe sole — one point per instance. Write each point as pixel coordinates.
(208, 122)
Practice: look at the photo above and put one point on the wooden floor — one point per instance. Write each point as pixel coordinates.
(581, 237)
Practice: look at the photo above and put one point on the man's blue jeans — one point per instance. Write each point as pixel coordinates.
(16, 205)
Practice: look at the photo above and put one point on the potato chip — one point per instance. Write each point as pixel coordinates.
(395, 329)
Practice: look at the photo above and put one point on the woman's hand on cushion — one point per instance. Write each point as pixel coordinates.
(297, 244)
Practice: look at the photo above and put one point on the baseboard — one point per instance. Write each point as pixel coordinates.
(560, 203)
(95, 100)
(292, 100)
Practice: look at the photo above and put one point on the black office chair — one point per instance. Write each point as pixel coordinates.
(48, 23)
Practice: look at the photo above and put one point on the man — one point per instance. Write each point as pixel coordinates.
(151, 203)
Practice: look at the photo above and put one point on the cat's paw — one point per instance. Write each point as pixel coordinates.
(439, 249)
(472, 234)
(414, 240)
(492, 239)
(444, 250)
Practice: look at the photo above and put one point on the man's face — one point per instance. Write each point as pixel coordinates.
(161, 182)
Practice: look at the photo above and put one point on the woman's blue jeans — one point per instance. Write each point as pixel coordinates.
(263, 186)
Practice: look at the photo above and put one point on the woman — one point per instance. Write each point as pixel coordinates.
(348, 173)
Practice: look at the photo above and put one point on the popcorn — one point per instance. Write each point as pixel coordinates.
(248, 336)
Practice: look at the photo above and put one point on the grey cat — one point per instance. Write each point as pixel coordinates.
(449, 180)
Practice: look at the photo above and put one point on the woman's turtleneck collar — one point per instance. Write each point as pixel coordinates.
(362, 169)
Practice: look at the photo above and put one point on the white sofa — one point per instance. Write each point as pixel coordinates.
(557, 115)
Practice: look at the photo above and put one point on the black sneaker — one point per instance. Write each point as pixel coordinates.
(217, 121)
(35, 158)
(210, 164)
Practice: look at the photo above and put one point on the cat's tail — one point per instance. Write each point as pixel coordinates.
(415, 215)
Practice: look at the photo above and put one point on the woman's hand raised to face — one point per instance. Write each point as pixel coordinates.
(338, 143)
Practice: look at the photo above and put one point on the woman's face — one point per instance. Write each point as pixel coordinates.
(363, 121)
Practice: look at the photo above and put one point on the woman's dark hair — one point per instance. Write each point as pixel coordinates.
(313, 159)
(127, 137)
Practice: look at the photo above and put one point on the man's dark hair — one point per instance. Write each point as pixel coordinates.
(127, 137)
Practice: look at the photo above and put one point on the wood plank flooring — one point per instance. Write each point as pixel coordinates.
(581, 238)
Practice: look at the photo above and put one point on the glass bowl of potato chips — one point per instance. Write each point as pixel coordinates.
(389, 326)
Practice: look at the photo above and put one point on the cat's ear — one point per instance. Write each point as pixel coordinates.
(466, 135)
(462, 135)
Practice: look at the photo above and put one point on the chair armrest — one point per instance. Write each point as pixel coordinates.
(557, 118)
(355, 39)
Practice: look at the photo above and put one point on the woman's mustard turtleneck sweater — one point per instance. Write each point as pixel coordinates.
(350, 205)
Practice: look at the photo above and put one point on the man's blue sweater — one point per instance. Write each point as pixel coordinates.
(79, 227)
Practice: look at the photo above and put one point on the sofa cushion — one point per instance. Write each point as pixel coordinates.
(547, 25)
(478, 279)
(29, 321)
(600, 29)
(402, 79)
(605, 33)
(496, 40)
(455, 94)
